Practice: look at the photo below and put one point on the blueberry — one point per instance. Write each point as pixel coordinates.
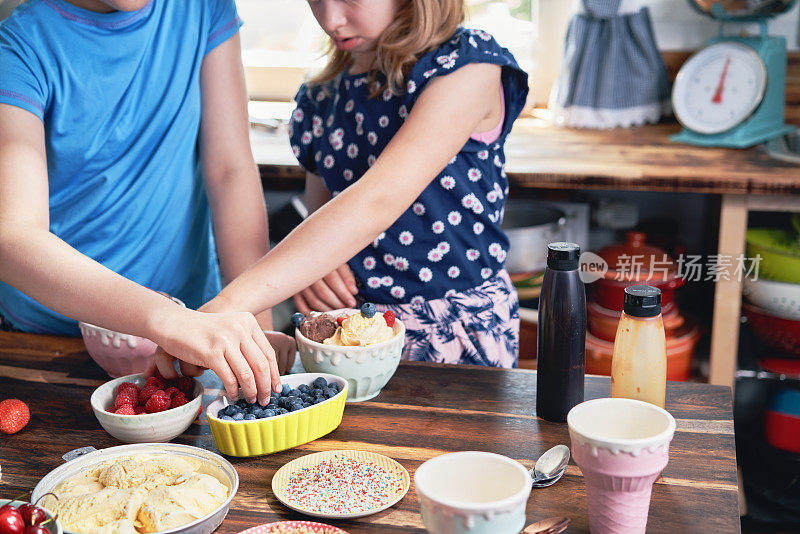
(267, 413)
(305, 397)
(330, 392)
(368, 309)
(295, 393)
(223, 412)
(250, 417)
(272, 406)
(318, 399)
(303, 388)
(320, 383)
(282, 411)
(306, 404)
(296, 407)
(231, 409)
(253, 408)
(226, 418)
(335, 385)
(242, 403)
(317, 392)
(291, 399)
(238, 416)
(285, 390)
(297, 319)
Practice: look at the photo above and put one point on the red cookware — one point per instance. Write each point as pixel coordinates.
(635, 263)
(779, 333)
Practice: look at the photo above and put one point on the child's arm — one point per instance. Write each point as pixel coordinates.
(38, 263)
(440, 123)
(336, 289)
(231, 177)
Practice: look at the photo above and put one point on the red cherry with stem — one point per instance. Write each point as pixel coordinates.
(11, 521)
(36, 529)
(32, 514)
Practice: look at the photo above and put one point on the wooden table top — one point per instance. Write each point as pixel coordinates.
(540, 155)
(425, 410)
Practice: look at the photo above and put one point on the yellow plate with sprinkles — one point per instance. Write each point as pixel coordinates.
(341, 484)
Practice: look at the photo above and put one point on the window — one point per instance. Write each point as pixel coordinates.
(281, 41)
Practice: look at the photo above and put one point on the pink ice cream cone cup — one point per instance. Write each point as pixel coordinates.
(621, 446)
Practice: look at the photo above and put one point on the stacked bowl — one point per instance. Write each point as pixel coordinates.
(634, 263)
(772, 296)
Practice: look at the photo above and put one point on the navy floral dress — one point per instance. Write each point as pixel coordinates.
(448, 243)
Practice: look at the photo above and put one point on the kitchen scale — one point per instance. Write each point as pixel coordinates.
(732, 93)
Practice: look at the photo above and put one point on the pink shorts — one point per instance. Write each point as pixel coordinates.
(479, 326)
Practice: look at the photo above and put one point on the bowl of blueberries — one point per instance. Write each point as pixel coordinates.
(309, 406)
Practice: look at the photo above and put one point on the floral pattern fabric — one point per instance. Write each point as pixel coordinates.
(479, 326)
(449, 241)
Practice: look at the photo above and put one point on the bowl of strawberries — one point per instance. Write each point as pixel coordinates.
(135, 409)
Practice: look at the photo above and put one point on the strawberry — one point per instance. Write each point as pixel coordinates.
(126, 397)
(156, 381)
(139, 410)
(128, 386)
(340, 319)
(388, 316)
(185, 384)
(178, 400)
(172, 391)
(126, 409)
(147, 392)
(158, 402)
(14, 415)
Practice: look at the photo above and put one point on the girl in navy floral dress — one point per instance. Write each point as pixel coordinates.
(404, 129)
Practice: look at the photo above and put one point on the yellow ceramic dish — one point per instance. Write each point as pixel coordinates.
(265, 436)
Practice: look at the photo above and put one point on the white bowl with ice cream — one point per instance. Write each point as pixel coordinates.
(368, 364)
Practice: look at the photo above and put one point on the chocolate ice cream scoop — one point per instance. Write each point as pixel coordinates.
(318, 328)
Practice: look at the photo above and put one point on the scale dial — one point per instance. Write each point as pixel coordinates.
(719, 87)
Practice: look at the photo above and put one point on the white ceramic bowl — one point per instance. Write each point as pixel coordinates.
(117, 353)
(143, 428)
(472, 492)
(778, 298)
(53, 526)
(366, 369)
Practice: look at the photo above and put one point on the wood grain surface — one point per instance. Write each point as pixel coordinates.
(424, 411)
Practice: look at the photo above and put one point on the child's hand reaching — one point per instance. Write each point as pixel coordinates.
(285, 349)
(334, 291)
(231, 344)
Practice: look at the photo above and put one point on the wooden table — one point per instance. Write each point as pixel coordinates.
(425, 410)
(542, 156)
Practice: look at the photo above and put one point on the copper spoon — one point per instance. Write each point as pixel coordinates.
(551, 525)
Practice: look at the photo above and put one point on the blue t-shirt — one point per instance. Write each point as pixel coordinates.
(450, 238)
(119, 96)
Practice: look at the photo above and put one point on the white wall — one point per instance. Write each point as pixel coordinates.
(679, 27)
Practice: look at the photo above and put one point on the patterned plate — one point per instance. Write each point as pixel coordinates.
(309, 526)
(340, 484)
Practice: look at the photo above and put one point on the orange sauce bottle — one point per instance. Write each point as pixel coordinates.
(639, 360)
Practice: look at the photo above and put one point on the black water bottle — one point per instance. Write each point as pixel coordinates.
(562, 334)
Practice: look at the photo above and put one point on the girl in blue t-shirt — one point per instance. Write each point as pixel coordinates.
(405, 127)
(123, 129)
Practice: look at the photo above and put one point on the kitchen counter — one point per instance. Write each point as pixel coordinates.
(542, 156)
(424, 411)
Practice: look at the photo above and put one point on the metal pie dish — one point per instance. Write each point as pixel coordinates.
(213, 464)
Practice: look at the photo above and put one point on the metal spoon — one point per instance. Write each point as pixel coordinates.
(550, 466)
(551, 525)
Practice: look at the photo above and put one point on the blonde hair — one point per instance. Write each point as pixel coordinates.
(419, 27)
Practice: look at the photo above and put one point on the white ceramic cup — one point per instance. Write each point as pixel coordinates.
(473, 492)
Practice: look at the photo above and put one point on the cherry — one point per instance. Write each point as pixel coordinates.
(11, 520)
(36, 529)
(31, 514)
